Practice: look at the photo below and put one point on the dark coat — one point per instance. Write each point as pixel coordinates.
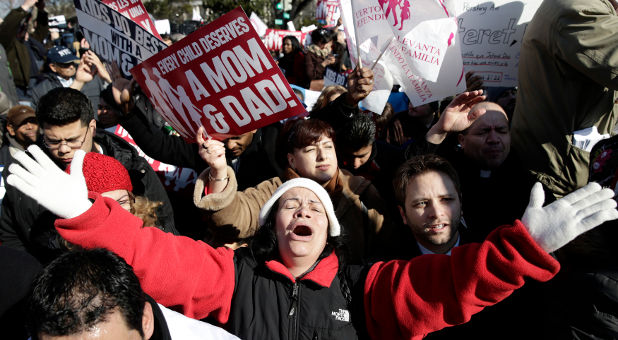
(293, 67)
(24, 224)
(17, 52)
(48, 81)
(256, 163)
(487, 202)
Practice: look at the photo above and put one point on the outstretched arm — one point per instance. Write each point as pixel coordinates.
(431, 292)
(160, 260)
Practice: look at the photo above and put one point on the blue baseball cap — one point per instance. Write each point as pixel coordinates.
(61, 55)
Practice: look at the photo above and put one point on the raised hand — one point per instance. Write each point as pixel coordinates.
(122, 89)
(360, 84)
(213, 153)
(457, 116)
(560, 222)
(95, 63)
(65, 195)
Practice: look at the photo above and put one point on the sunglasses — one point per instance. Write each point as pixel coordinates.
(65, 65)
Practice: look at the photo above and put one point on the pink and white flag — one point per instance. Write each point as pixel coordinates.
(422, 48)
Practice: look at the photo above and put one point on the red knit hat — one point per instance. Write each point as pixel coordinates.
(104, 173)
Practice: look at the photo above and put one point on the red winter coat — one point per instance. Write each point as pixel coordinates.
(402, 299)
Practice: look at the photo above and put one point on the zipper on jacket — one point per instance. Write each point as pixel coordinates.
(293, 313)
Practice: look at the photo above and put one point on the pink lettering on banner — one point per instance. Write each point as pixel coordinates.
(134, 10)
(273, 39)
(420, 50)
(220, 76)
(420, 85)
(368, 15)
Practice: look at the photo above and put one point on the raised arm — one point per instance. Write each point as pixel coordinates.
(160, 260)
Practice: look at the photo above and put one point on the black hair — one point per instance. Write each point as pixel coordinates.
(82, 288)
(356, 133)
(322, 36)
(295, 43)
(62, 106)
(265, 247)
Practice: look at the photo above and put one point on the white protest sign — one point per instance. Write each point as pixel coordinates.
(114, 37)
(423, 57)
(163, 26)
(258, 24)
(491, 34)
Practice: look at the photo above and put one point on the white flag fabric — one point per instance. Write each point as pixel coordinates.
(258, 24)
(423, 56)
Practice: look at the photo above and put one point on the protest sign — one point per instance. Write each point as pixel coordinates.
(491, 34)
(332, 77)
(327, 12)
(57, 21)
(115, 38)
(163, 26)
(220, 76)
(258, 24)
(273, 39)
(134, 10)
(422, 52)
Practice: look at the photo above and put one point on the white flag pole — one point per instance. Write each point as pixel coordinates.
(358, 55)
(383, 50)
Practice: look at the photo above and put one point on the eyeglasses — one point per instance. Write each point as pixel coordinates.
(73, 143)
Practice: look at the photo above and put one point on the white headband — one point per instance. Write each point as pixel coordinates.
(317, 189)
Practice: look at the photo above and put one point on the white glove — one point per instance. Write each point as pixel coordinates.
(557, 224)
(40, 178)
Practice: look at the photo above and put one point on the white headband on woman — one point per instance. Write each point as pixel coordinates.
(317, 189)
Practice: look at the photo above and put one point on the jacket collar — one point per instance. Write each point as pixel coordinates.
(322, 274)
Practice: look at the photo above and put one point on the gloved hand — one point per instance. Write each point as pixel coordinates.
(560, 222)
(64, 195)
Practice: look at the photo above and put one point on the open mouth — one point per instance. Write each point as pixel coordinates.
(435, 227)
(302, 230)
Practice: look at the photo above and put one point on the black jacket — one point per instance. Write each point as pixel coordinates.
(47, 81)
(488, 202)
(301, 305)
(256, 163)
(24, 224)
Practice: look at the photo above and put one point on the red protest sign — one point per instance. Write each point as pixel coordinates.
(220, 76)
(273, 38)
(327, 12)
(134, 10)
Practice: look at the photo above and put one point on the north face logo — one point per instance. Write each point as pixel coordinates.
(341, 315)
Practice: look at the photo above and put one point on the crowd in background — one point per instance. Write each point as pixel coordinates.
(439, 178)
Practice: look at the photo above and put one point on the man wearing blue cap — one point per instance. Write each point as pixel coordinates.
(65, 69)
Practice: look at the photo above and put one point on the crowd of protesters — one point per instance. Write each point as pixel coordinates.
(415, 222)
